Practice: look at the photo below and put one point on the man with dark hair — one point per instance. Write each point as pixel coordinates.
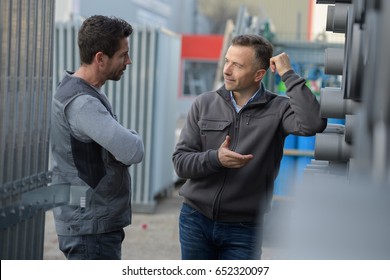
(230, 150)
(90, 148)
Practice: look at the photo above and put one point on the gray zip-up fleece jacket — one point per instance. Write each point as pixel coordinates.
(90, 148)
(260, 128)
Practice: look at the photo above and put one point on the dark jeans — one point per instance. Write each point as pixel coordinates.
(104, 246)
(202, 238)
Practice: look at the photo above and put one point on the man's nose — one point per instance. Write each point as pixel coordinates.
(227, 69)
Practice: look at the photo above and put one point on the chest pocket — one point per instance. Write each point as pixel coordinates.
(213, 133)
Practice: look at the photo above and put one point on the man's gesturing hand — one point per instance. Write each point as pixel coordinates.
(231, 159)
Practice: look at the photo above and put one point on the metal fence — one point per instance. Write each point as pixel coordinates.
(25, 95)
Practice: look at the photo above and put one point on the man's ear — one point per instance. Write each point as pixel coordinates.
(260, 74)
(99, 58)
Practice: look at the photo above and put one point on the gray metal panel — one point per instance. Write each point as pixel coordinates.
(25, 87)
(165, 115)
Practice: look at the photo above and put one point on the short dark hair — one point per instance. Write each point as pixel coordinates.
(262, 47)
(101, 34)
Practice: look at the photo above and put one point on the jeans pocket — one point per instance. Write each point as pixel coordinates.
(187, 210)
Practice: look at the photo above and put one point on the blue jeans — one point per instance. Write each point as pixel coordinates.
(104, 246)
(204, 239)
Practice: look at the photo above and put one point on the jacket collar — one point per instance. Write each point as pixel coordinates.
(263, 97)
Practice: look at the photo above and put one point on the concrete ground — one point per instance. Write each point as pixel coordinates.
(150, 237)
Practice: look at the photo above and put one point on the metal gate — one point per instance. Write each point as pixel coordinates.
(25, 95)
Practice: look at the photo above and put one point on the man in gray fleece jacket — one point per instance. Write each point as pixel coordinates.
(230, 150)
(89, 146)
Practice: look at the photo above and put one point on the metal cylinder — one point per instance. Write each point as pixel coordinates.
(332, 147)
(340, 17)
(334, 61)
(329, 18)
(333, 104)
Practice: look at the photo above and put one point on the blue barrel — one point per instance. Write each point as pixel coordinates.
(286, 174)
(336, 121)
(304, 143)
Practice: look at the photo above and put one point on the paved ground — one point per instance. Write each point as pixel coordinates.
(150, 237)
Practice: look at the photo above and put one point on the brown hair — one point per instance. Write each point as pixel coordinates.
(262, 47)
(101, 34)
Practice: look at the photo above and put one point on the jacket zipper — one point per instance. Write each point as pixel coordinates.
(217, 201)
(237, 118)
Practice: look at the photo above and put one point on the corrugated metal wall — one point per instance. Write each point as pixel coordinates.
(25, 93)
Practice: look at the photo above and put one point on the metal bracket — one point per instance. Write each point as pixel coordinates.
(42, 199)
